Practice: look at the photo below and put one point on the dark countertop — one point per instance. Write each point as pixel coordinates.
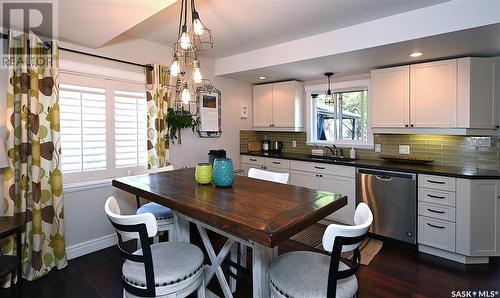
(380, 164)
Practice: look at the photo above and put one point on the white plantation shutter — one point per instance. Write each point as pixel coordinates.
(130, 128)
(83, 128)
(103, 127)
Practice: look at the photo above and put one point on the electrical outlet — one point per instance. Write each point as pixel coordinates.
(244, 112)
(378, 148)
(294, 144)
(404, 149)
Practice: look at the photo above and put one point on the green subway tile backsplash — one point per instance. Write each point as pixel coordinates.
(446, 150)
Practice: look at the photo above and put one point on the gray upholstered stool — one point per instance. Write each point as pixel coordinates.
(305, 274)
(164, 216)
(168, 269)
(316, 275)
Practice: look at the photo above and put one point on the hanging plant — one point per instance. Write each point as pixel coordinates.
(177, 120)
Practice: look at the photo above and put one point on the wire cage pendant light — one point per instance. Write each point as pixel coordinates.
(186, 67)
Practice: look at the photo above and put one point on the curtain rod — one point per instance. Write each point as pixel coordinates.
(147, 66)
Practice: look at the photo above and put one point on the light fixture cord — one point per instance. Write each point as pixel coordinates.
(193, 8)
(180, 19)
(185, 12)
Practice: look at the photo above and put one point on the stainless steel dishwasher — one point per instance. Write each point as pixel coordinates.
(392, 199)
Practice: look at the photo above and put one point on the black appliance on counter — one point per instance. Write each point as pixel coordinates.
(266, 146)
(213, 154)
(276, 146)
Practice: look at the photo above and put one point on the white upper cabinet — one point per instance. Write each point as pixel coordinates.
(477, 103)
(262, 105)
(390, 92)
(433, 94)
(455, 94)
(279, 106)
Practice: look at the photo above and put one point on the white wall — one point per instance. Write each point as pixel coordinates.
(86, 226)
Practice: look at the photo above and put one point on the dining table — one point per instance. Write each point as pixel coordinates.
(255, 213)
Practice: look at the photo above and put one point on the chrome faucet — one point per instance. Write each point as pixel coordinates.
(333, 150)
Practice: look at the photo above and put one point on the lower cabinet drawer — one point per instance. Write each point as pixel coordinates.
(254, 160)
(436, 233)
(277, 163)
(436, 211)
(436, 196)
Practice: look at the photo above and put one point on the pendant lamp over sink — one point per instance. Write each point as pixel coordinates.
(329, 100)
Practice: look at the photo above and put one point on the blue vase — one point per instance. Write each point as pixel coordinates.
(223, 172)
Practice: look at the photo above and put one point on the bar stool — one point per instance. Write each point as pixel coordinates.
(167, 269)
(310, 274)
(164, 216)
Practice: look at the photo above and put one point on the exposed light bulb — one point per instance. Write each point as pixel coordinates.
(185, 96)
(197, 76)
(198, 27)
(185, 41)
(175, 68)
(416, 54)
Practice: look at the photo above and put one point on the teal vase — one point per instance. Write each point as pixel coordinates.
(223, 172)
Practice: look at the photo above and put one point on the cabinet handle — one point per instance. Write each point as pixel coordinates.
(436, 197)
(318, 175)
(435, 211)
(411, 125)
(319, 168)
(406, 125)
(276, 162)
(434, 226)
(252, 159)
(436, 182)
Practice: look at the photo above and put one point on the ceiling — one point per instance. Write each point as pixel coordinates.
(482, 41)
(244, 25)
(93, 23)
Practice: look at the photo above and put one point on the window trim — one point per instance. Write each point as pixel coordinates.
(111, 170)
(344, 86)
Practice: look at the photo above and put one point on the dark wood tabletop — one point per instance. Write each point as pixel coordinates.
(10, 225)
(256, 210)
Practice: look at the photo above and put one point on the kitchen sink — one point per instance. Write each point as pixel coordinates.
(331, 158)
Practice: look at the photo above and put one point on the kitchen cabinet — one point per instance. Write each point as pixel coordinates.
(433, 94)
(279, 106)
(390, 93)
(458, 218)
(478, 217)
(325, 177)
(454, 96)
(262, 105)
(477, 98)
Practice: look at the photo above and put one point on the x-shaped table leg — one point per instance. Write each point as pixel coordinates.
(216, 260)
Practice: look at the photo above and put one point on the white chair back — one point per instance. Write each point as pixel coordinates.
(113, 212)
(363, 219)
(269, 176)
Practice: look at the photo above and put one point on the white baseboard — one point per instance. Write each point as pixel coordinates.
(90, 246)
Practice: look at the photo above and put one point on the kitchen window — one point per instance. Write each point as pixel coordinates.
(343, 119)
(103, 127)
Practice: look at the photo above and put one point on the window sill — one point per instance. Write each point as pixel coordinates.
(86, 185)
(342, 145)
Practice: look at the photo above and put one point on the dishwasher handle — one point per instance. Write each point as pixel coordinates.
(383, 178)
(386, 175)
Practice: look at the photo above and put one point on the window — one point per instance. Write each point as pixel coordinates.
(342, 120)
(103, 127)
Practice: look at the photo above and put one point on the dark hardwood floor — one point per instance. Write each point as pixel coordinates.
(397, 271)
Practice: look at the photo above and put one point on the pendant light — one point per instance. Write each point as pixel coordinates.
(186, 95)
(329, 95)
(185, 63)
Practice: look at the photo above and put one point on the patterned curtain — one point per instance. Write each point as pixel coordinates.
(33, 181)
(159, 98)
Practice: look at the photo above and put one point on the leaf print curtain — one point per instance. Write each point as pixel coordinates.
(33, 182)
(158, 100)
